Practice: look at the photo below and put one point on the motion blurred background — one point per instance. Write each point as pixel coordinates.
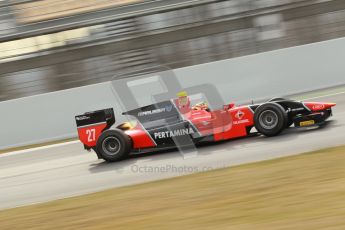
(49, 45)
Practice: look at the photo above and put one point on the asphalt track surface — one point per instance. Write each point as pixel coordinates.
(67, 170)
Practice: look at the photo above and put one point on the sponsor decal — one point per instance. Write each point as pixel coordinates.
(205, 122)
(295, 110)
(307, 123)
(173, 133)
(318, 107)
(81, 118)
(241, 122)
(151, 112)
(239, 115)
(167, 108)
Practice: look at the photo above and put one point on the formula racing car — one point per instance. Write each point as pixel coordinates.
(177, 122)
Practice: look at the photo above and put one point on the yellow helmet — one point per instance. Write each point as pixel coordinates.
(182, 94)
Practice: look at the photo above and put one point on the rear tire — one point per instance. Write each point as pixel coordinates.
(113, 145)
(270, 119)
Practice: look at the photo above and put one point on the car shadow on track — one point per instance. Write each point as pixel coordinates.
(207, 148)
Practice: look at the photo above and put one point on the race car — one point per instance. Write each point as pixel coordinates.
(177, 122)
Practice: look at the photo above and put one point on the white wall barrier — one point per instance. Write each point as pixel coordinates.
(50, 117)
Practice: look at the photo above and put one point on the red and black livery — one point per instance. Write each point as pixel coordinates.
(170, 123)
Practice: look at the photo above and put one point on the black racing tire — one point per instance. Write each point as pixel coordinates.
(290, 121)
(277, 99)
(270, 119)
(113, 145)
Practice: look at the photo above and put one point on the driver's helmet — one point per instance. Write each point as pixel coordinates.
(183, 99)
(183, 102)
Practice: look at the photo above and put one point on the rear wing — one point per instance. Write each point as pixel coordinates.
(90, 125)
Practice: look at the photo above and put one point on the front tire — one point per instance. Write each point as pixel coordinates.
(113, 145)
(270, 119)
(277, 99)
